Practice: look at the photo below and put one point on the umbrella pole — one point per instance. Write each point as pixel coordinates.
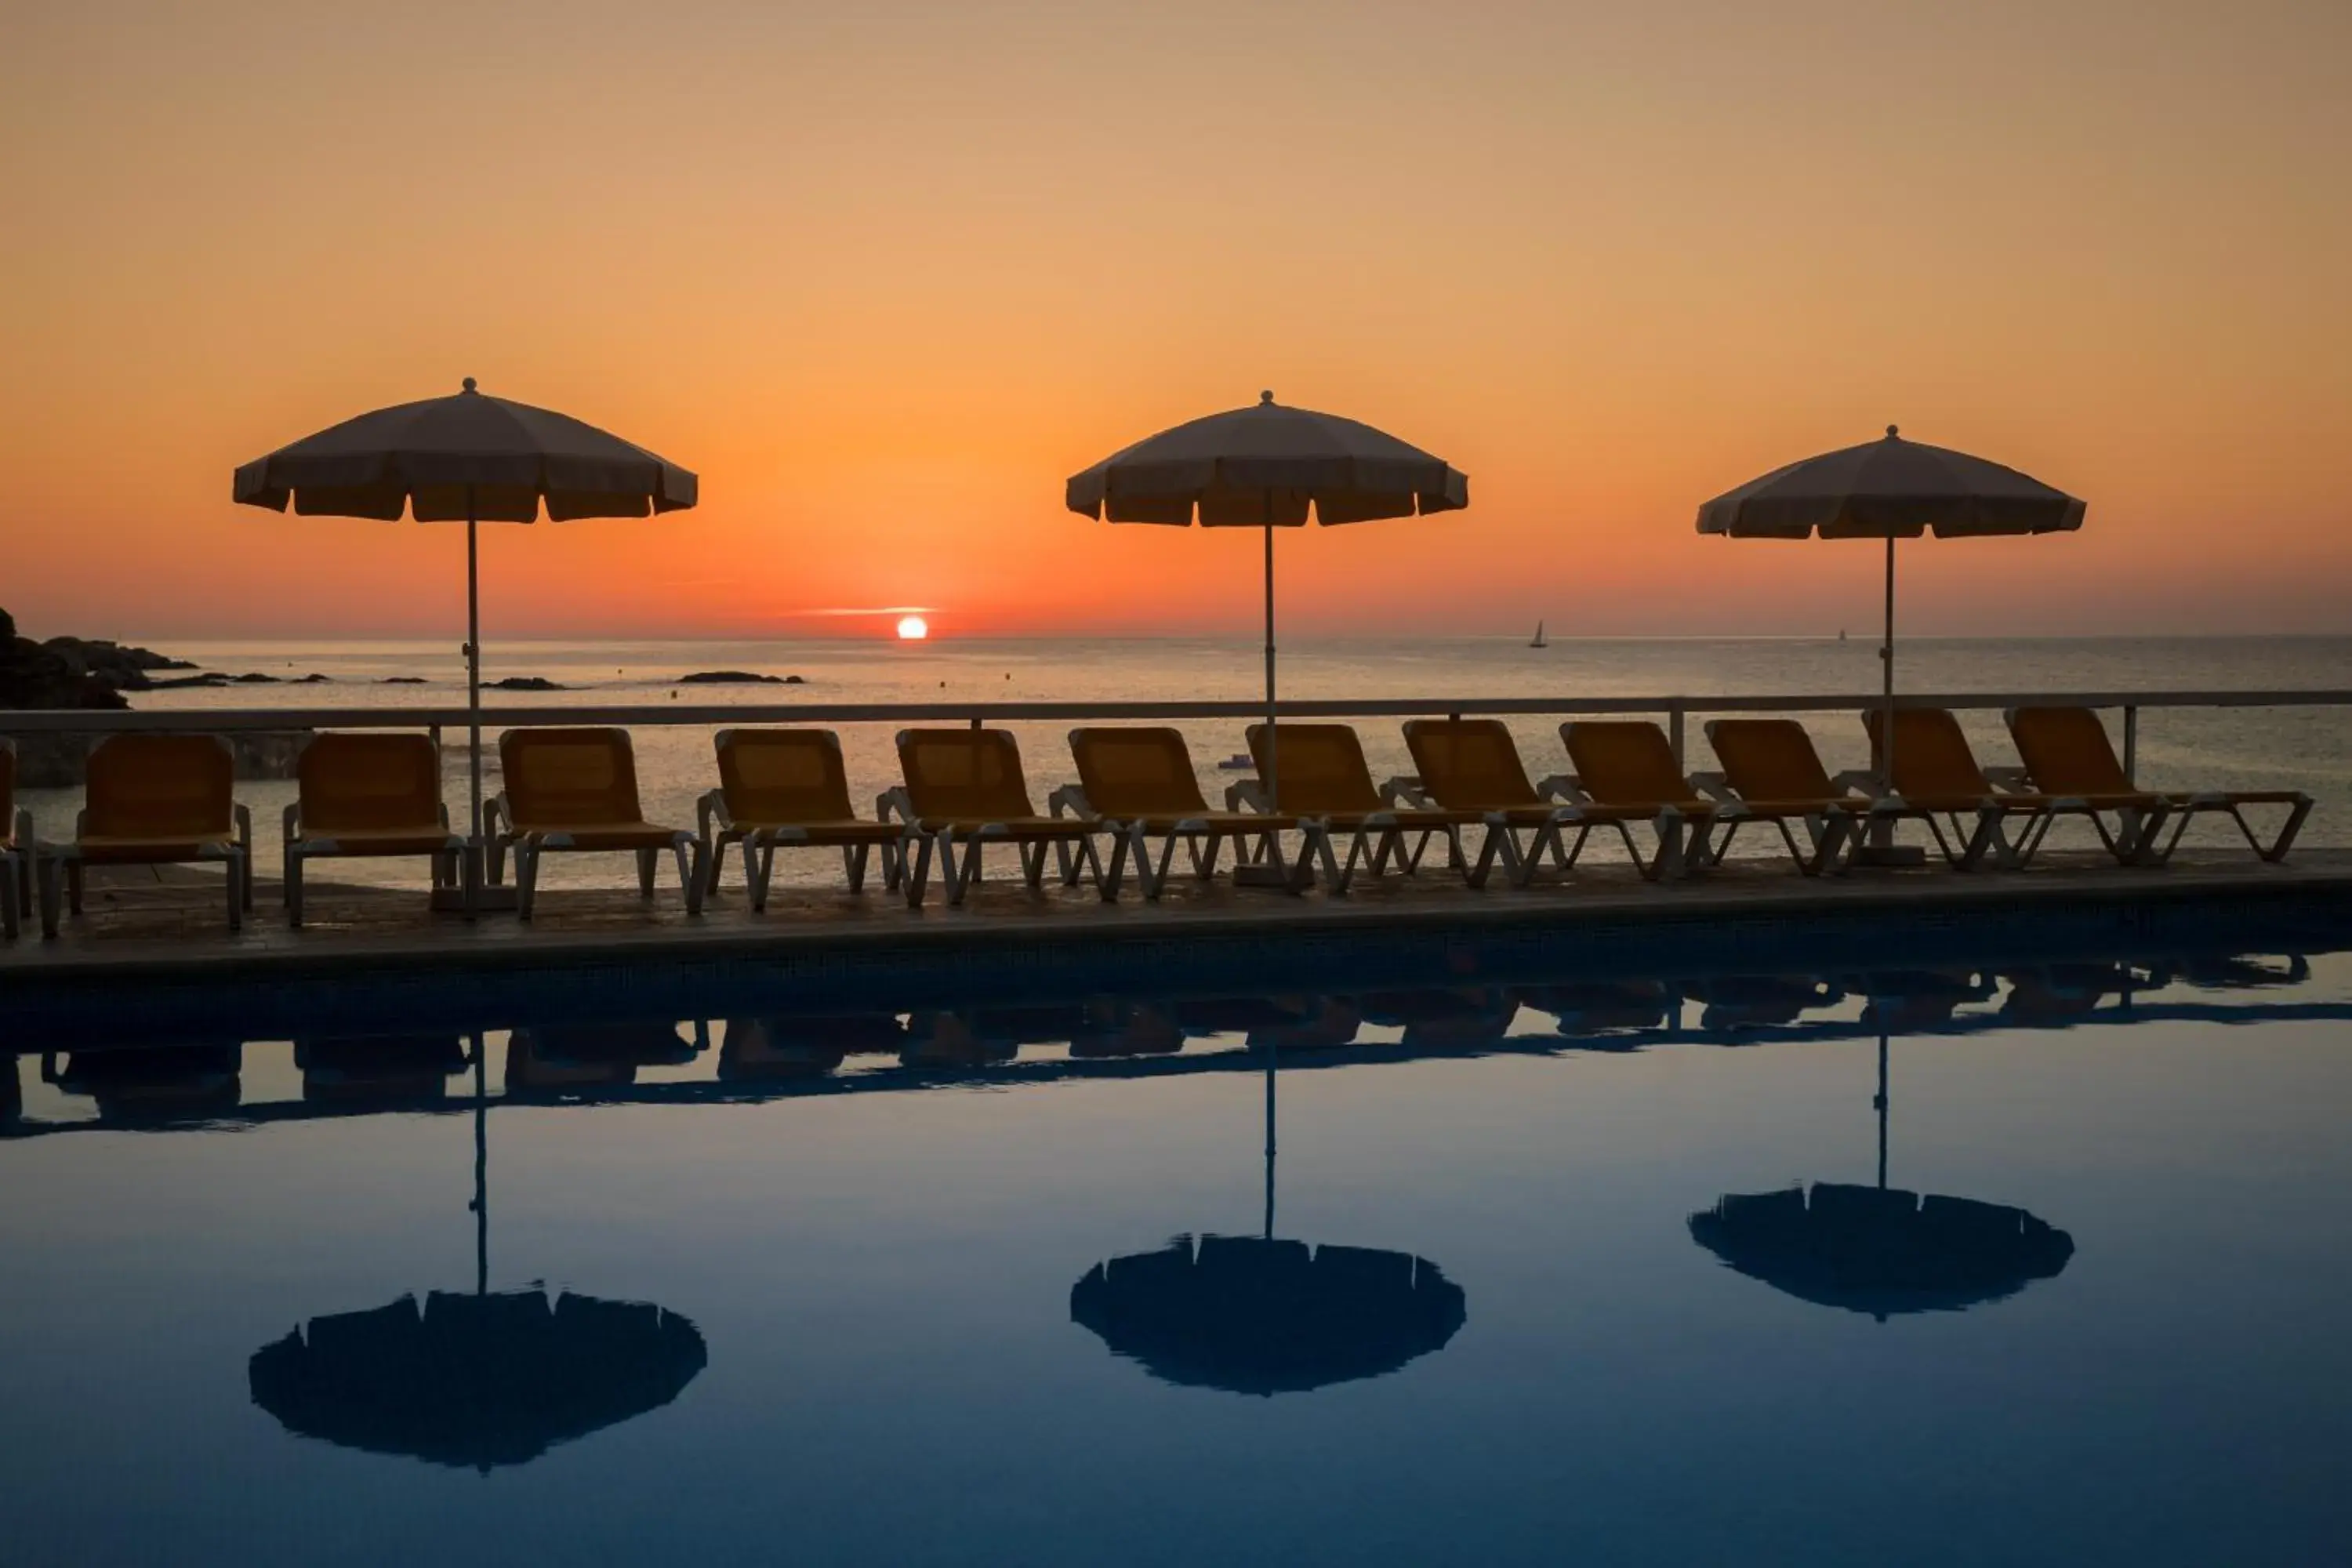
(1878, 1103)
(1272, 1052)
(481, 1205)
(1887, 685)
(1273, 742)
(474, 663)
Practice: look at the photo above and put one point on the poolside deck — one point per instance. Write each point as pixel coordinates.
(154, 950)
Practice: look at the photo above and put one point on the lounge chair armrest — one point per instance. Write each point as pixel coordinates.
(894, 802)
(1071, 798)
(290, 825)
(1714, 787)
(1857, 781)
(1247, 795)
(22, 829)
(241, 814)
(494, 813)
(2016, 781)
(1405, 789)
(1563, 787)
(81, 821)
(709, 808)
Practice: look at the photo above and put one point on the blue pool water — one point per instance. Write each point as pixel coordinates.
(994, 1284)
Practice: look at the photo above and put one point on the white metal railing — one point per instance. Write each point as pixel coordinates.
(1676, 710)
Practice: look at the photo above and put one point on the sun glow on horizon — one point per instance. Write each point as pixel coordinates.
(913, 628)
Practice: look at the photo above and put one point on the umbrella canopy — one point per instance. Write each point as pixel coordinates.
(478, 1380)
(472, 458)
(1267, 466)
(1891, 489)
(449, 459)
(1882, 1251)
(1267, 1317)
(1263, 465)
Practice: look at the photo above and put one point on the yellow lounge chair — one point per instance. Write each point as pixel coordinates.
(369, 795)
(1936, 775)
(1137, 785)
(577, 790)
(15, 848)
(1772, 761)
(1627, 766)
(1473, 765)
(788, 789)
(2066, 753)
(155, 800)
(1325, 779)
(965, 787)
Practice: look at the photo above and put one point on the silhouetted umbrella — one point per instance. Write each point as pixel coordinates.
(482, 1379)
(1263, 468)
(1890, 489)
(1882, 1251)
(1266, 1317)
(470, 458)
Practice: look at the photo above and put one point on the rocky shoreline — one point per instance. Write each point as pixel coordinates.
(90, 675)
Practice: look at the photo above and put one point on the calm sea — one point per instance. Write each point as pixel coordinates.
(2300, 748)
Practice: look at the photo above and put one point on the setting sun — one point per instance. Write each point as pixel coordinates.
(913, 628)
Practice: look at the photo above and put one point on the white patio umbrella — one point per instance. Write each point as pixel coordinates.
(1264, 467)
(1890, 489)
(470, 458)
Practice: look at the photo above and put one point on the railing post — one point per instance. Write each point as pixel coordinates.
(1675, 735)
(2131, 744)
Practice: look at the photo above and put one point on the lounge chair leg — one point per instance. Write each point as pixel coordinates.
(646, 874)
(293, 891)
(73, 889)
(496, 857)
(691, 873)
(854, 856)
(47, 875)
(915, 869)
(525, 879)
(1107, 886)
(235, 889)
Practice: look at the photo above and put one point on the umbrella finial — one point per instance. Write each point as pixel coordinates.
(1894, 432)
(469, 386)
(1265, 400)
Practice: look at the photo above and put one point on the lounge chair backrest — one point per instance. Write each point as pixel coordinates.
(374, 781)
(968, 775)
(160, 787)
(1469, 764)
(569, 778)
(2066, 752)
(784, 776)
(1625, 761)
(1932, 759)
(1770, 758)
(1322, 769)
(1136, 771)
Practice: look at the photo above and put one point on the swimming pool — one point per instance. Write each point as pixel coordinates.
(1980, 1256)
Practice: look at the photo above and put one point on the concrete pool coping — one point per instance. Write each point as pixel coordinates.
(155, 953)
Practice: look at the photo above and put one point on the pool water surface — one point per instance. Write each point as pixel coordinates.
(1951, 1264)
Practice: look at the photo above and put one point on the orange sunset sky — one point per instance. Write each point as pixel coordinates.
(885, 274)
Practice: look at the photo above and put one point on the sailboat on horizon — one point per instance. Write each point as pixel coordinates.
(1538, 640)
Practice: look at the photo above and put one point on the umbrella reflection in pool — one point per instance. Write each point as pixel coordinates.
(480, 1380)
(1265, 1316)
(1882, 1251)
